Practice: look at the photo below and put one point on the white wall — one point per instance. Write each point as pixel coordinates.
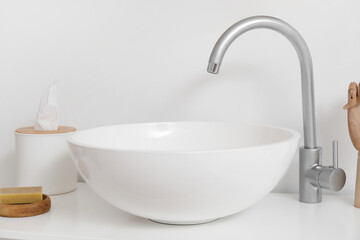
(139, 61)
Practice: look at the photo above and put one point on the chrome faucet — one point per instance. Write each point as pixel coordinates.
(313, 176)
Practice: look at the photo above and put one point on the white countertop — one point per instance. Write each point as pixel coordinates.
(84, 215)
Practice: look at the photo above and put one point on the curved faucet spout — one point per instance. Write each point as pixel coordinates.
(302, 50)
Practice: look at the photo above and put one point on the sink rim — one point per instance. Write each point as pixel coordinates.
(71, 139)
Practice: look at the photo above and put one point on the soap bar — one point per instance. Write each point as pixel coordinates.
(20, 195)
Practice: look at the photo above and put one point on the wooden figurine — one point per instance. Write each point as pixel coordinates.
(353, 115)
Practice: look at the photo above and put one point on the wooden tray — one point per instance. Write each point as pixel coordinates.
(27, 209)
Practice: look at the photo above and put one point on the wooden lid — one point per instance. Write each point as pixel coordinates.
(30, 130)
(26, 209)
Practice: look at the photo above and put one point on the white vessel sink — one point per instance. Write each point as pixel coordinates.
(183, 172)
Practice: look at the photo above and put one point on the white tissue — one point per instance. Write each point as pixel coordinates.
(47, 118)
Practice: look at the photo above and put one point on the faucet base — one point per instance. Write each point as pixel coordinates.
(309, 160)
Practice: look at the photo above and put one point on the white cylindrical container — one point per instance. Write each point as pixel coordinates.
(44, 160)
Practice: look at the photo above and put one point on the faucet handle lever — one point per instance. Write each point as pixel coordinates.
(332, 177)
(335, 153)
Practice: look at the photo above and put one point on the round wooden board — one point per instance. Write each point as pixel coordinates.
(30, 130)
(27, 209)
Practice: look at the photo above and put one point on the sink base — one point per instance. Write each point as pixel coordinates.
(184, 223)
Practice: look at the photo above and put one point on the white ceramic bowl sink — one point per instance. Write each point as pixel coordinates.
(183, 172)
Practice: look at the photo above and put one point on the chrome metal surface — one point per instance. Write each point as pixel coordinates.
(213, 68)
(302, 50)
(309, 168)
(313, 176)
(335, 153)
(332, 178)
